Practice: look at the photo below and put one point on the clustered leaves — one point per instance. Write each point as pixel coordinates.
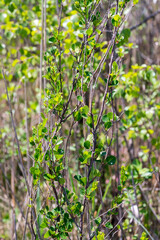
(90, 107)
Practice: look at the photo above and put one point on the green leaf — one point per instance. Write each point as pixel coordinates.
(61, 180)
(84, 180)
(52, 39)
(11, 7)
(116, 20)
(48, 176)
(125, 34)
(135, 1)
(87, 144)
(43, 224)
(110, 115)
(89, 31)
(89, 122)
(79, 98)
(111, 160)
(7, 1)
(47, 234)
(79, 179)
(92, 188)
(84, 110)
(77, 116)
(109, 225)
(113, 83)
(100, 236)
(82, 191)
(103, 153)
(144, 236)
(107, 117)
(115, 67)
(98, 220)
(15, 62)
(97, 173)
(42, 116)
(108, 125)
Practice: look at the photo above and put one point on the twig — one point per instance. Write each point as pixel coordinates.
(19, 151)
(150, 207)
(26, 217)
(140, 224)
(16, 137)
(27, 132)
(107, 212)
(14, 219)
(153, 15)
(7, 181)
(41, 60)
(45, 42)
(116, 225)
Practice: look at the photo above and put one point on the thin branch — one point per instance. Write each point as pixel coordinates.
(19, 150)
(45, 41)
(41, 60)
(16, 137)
(27, 132)
(116, 224)
(150, 207)
(25, 226)
(14, 219)
(7, 181)
(153, 15)
(140, 224)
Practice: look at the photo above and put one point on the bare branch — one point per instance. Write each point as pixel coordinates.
(153, 15)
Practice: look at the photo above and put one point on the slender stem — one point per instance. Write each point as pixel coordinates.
(45, 40)
(19, 151)
(16, 137)
(27, 132)
(153, 15)
(41, 59)
(16, 201)
(13, 227)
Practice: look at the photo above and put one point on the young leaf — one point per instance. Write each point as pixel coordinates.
(116, 20)
(47, 234)
(115, 67)
(135, 1)
(109, 225)
(79, 98)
